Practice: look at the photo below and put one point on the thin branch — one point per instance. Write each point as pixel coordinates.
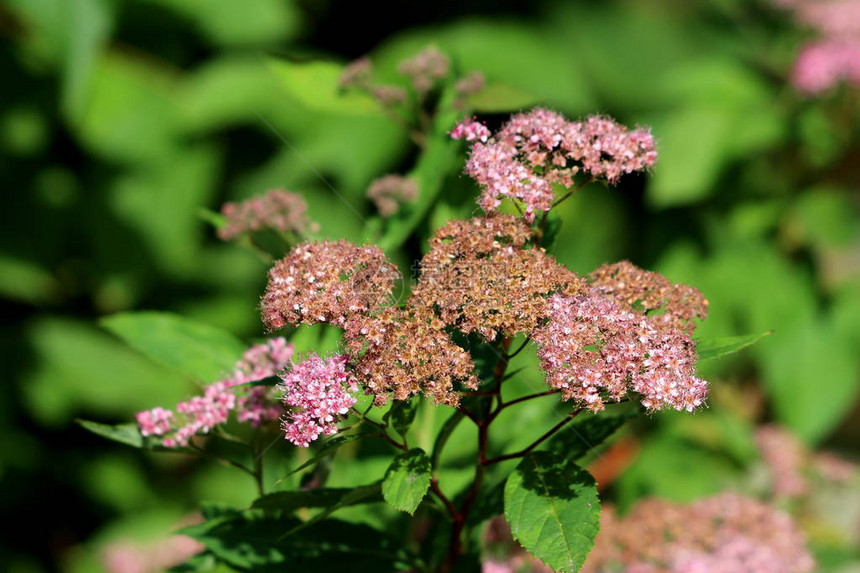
(383, 431)
(504, 405)
(223, 460)
(449, 505)
(536, 443)
(571, 192)
(520, 349)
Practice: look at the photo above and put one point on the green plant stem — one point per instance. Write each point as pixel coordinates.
(258, 465)
(460, 516)
(383, 432)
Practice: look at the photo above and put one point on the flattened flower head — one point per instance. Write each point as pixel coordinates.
(538, 149)
(480, 277)
(727, 533)
(329, 281)
(391, 191)
(594, 350)
(652, 293)
(319, 393)
(405, 352)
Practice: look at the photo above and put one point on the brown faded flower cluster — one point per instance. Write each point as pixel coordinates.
(674, 305)
(393, 351)
(403, 352)
(723, 534)
(277, 209)
(391, 191)
(481, 276)
(427, 71)
(426, 68)
(330, 281)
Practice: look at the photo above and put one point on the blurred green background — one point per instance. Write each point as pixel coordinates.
(121, 120)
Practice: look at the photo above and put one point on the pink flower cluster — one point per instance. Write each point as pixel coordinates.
(830, 18)
(738, 554)
(795, 471)
(323, 390)
(540, 148)
(594, 350)
(200, 414)
(834, 57)
(277, 209)
(426, 68)
(329, 281)
(494, 167)
(389, 192)
(471, 130)
(727, 533)
(427, 71)
(785, 456)
(128, 557)
(824, 64)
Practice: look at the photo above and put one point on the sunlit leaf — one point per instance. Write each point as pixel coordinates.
(199, 350)
(127, 434)
(552, 507)
(335, 498)
(315, 84)
(709, 348)
(407, 480)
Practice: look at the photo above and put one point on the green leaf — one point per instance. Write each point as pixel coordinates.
(363, 494)
(229, 24)
(401, 414)
(161, 205)
(673, 469)
(248, 541)
(78, 367)
(552, 507)
(199, 350)
(500, 97)
(127, 434)
(89, 28)
(196, 564)
(490, 503)
(130, 114)
(407, 480)
(811, 377)
(587, 432)
(328, 446)
(709, 348)
(442, 437)
(332, 498)
(315, 84)
(26, 280)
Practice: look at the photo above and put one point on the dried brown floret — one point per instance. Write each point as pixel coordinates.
(401, 353)
(481, 276)
(277, 209)
(648, 291)
(330, 281)
(390, 191)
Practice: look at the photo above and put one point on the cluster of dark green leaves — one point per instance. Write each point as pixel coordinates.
(550, 502)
